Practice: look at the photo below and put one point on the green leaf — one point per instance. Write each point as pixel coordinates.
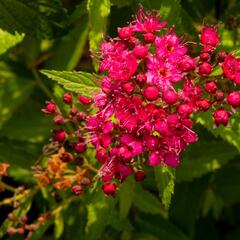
(38, 235)
(79, 82)
(98, 14)
(68, 51)
(126, 197)
(8, 40)
(146, 201)
(58, 226)
(203, 157)
(226, 183)
(31, 17)
(230, 134)
(16, 128)
(159, 227)
(170, 11)
(165, 178)
(15, 88)
(99, 215)
(186, 204)
(18, 153)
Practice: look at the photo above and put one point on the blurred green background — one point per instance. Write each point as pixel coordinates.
(61, 35)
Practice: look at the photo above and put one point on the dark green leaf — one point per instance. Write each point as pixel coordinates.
(28, 124)
(126, 196)
(32, 17)
(15, 88)
(99, 215)
(18, 153)
(146, 201)
(186, 204)
(159, 227)
(203, 157)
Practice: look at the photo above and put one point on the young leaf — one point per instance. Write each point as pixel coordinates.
(79, 82)
(8, 40)
(165, 178)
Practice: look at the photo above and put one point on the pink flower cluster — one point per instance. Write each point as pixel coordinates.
(150, 87)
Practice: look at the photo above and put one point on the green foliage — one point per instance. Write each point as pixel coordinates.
(126, 197)
(165, 179)
(37, 18)
(15, 89)
(99, 215)
(56, 38)
(146, 202)
(78, 82)
(98, 13)
(197, 162)
(8, 40)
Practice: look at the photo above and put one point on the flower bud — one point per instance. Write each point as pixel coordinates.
(151, 93)
(86, 181)
(84, 100)
(149, 37)
(58, 120)
(211, 87)
(219, 95)
(139, 175)
(77, 190)
(125, 32)
(184, 110)
(221, 116)
(67, 98)
(141, 78)
(109, 188)
(73, 111)
(205, 57)
(221, 56)
(203, 104)
(205, 68)
(79, 147)
(170, 97)
(59, 135)
(233, 99)
(140, 51)
(101, 155)
(209, 37)
(187, 64)
(66, 157)
(128, 87)
(50, 107)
